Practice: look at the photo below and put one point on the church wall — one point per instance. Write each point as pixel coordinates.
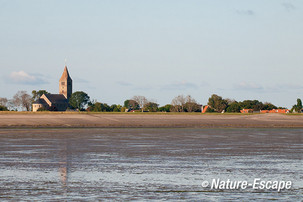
(36, 107)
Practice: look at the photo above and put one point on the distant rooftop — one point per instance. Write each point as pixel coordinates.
(56, 98)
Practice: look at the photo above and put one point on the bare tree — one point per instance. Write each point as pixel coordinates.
(190, 104)
(141, 100)
(23, 100)
(3, 101)
(11, 105)
(178, 103)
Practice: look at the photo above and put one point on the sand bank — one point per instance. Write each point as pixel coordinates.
(103, 120)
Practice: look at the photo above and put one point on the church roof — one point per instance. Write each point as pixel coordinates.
(65, 74)
(56, 98)
(39, 101)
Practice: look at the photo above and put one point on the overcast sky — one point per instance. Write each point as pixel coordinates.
(238, 49)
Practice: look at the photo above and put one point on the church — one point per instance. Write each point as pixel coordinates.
(57, 102)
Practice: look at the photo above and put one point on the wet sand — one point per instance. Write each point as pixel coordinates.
(147, 164)
(72, 120)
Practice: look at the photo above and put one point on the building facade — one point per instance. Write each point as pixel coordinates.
(56, 102)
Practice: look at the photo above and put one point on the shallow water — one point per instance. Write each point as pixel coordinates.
(147, 164)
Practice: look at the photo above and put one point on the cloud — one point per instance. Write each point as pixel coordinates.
(181, 85)
(245, 12)
(249, 86)
(288, 6)
(21, 77)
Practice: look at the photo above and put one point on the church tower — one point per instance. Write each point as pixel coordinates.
(66, 84)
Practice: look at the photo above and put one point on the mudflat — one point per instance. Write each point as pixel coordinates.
(157, 120)
(148, 164)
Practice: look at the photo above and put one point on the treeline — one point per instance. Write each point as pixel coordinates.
(218, 104)
(140, 103)
(81, 101)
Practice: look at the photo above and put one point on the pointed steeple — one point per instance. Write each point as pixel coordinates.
(66, 84)
(65, 74)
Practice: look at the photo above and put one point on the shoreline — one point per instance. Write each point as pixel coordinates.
(138, 120)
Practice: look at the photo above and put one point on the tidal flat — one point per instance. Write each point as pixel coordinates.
(147, 163)
(146, 120)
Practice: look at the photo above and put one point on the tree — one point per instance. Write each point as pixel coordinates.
(217, 103)
(268, 106)
(191, 105)
(23, 100)
(298, 107)
(4, 104)
(151, 106)
(141, 100)
(255, 105)
(95, 107)
(123, 109)
(10, 105)
(3, 101)
(131, 104)
(165, 108)
(233, 107)
(78, 100)
(115, 108)
(178, 103)
(37, 94)
(3, 108)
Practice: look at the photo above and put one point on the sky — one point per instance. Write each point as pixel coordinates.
(116, 49)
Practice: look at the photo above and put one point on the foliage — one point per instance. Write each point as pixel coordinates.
(217, 103)
(298, 107)
(151, 106)
(141, 100)
(115, 108)
(37, 94)
(210, 110)
(269, 106)
(233, 107)
(255, 105)
(78, 100)
(103, 107)
(191, 105)
(131, 104)
(165, 108)
(3, 108)
(98, 107)
(299, 104)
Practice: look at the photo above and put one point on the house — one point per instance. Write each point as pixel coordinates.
(57, 102)
(280, 111)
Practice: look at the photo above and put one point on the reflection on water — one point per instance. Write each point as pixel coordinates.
(64, 166)
(151, 164)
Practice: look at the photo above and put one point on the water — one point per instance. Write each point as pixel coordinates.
(147, 164)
